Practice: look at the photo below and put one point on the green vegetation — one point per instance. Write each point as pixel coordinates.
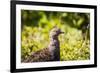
(74, 43)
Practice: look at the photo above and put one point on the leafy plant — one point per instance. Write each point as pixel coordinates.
(36, 26)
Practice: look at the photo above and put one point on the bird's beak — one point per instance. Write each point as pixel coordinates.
(61, 32)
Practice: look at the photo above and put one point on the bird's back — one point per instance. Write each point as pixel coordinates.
(39, 56)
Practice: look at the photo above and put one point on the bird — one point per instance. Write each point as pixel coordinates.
(52, 52)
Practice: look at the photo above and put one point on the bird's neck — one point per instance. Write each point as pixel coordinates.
(54, 42)
(54, 47)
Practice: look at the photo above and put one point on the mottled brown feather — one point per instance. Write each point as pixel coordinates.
(39, 56)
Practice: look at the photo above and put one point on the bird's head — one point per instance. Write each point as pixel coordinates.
(55, 32)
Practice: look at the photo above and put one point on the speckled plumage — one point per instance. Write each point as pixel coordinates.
(51, 53)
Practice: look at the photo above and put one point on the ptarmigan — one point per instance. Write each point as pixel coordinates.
(51, 53)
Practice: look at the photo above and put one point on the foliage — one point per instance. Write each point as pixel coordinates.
(36, 26)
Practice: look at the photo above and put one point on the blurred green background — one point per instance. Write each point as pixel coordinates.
(74, 43)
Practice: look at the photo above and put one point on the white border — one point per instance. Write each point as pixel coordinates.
(20, 65)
